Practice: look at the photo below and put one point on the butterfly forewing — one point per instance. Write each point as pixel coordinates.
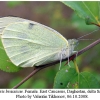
(29, 44)
(4, 21)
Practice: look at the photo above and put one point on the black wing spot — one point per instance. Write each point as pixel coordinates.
(61, 83)
(31, 25)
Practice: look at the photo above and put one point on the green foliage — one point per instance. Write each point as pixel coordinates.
(14, 3)
(39, 84)
(5, 63)
(63, 77)
(30, 83)
(17, 80)
(69, 78)
(86, 10)
(55, 14)
(79, 23)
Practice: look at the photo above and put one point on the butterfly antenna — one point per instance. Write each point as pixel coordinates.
(87, 39)
(88, 34)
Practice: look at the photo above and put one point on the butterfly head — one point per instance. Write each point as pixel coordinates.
(73, 43)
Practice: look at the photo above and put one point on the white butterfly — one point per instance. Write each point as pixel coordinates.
(28, 43)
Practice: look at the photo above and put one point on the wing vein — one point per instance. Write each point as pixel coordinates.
(39, 58)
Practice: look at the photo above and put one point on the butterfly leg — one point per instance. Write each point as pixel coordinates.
(68, 59)
(60, 61)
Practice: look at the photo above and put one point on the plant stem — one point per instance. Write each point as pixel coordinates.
(38, 68)
(35, 70)
(76, 67)
(77, 70)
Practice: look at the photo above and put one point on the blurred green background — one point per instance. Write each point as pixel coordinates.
(61, 18)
